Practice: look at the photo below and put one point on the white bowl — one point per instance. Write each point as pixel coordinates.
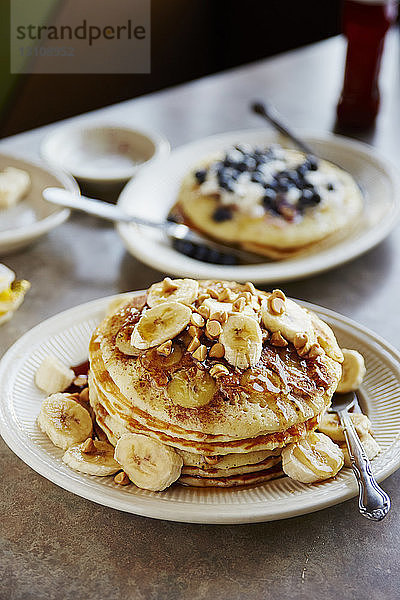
(101, 153)
(32, 216)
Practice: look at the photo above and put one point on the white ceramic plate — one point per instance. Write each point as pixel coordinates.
(152, 193)
(32, 216)
(67, 336)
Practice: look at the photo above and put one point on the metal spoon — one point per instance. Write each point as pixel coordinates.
(175, 231)
(267, 111)
(373, 501)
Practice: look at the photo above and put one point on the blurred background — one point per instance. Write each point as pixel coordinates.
(214, 35)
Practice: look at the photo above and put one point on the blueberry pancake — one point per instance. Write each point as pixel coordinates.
(274, 201)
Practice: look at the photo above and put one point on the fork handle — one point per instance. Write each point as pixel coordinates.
(373, 502)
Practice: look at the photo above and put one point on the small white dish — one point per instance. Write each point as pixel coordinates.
(67, 336)
(32, 217)
(154, 191)
(101, 153)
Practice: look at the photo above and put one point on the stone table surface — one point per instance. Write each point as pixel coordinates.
(55, 545)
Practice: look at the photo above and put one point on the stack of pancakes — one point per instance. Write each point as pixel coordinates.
(234, 438)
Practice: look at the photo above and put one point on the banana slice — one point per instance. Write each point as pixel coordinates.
(330, 426)
(159, 324)
(177, 290)
(53, 376)
(123, 341)
(7, 276)
(148, 463)
(370, 445)
(191, 389)
(313, 458)
(64, 421)
(294, 320)
(242, 339)
(353, 371)
(100, 461)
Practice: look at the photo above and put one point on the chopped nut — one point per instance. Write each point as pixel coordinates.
(80, 381)
(278, 340)
(203, 297)
(122, 478)
(204, 311)
(213, 328)
(276, 305)
(88, 447)
(216, 351)
(194, 331)
(165, 348)
(212, 293)
(315, 351)
(168, 285)
(246, 296)
(227, 295)
(197, 320)
(224, 295)
(300, 340)
(219, 315)
(194, 344)
(238, 305)
(250, 287)
(304, 350)
(278, 294)
(84, 395)
(201, 353)
(218, 370)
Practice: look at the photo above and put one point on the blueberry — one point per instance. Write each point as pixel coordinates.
(201, 252)
(272, 185)
(184, 247)
(316, 199)
(283, 184)
(251, 163)
(228, 259)
(225, 182)
(309, 198)
(241, 166)
(221, 214)
(201, 176)
(257, 177)
(312, 163)
(302, 169)
(293, 176)
(330, 187)
(270, 200)
(306, 197)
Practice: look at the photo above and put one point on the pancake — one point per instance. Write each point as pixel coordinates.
(115, 425)
(291, 389)
(222, 375)
(238, 213)
(233, 481)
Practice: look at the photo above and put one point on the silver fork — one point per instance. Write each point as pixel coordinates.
(373, 501)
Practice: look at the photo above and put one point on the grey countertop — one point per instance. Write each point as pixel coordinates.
(56, 545)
